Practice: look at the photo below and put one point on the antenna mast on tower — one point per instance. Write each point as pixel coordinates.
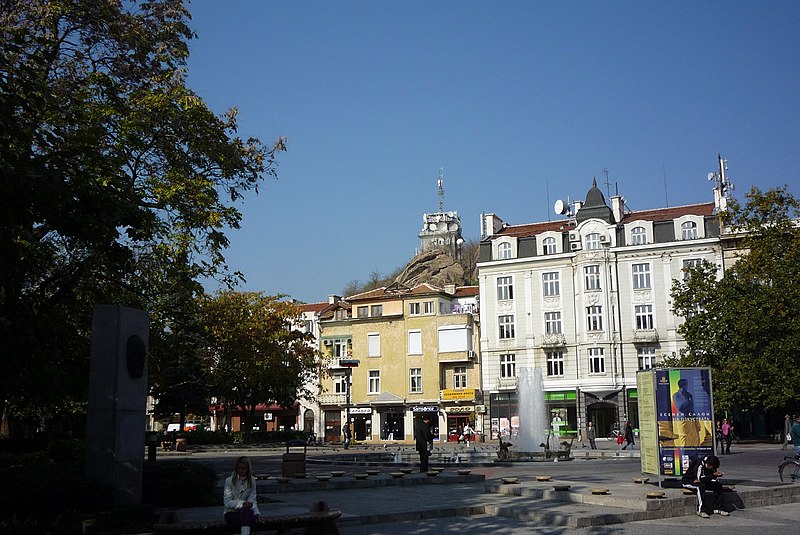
(441, 189)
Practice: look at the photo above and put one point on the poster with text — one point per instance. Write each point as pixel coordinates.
(684, 412)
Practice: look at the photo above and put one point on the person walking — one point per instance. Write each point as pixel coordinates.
(424, 441)
(467, 434)
(796, 435)
(727, 436)
(787, 432)
(628, 436)
(591, 434)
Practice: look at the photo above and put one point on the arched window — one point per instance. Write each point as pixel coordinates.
(638, 236)
(689, 230)
(549, 246)
(504, 251)
(593, 241)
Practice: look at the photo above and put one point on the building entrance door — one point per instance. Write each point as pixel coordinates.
(604, 417)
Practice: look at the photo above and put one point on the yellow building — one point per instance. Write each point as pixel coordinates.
(415, 353)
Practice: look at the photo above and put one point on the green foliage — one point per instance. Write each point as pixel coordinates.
(181, 483)
(746, 325)
(118, 186)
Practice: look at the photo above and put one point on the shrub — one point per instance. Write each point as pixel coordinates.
(179, 484)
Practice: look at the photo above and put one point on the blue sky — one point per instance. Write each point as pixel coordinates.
(512, 99)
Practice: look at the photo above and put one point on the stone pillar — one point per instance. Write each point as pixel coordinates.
(117, 415)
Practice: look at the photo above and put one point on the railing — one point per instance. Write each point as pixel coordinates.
(554, 340)
(645, 335)
(332, 399)
(506, 383)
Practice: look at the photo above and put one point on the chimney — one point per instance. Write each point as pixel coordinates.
(617, 202)
(577, 205)
(450, 288)
(333, 299)
(490, 225)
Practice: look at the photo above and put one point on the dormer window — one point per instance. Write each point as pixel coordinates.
(638, 236)
(689, 230)
(504, 251)
(549, 246)
(593, 241)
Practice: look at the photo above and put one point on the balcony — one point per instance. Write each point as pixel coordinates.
(554, 340)
(332, 399)
(645, 336)
(506, 383)
(457, 356)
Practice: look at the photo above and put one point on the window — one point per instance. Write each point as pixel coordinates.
(688, 264)
(363, 312)
(550, 285)
(504, 251)
(597, 361)
(460, 377)
(647, 358)
(340, 383)
(428, 307)
(641, 276)
(374, 344)
(549, 246)
(415, 380)
(376, 311)
(689, 230)
(454, 338)
(415, 342)
(593, 241)
(413, 309)
(644, 317)
(506, 326)
(552, 322)
(594, 317)
(508, 365)
(505, 290)
(374, 382)
(638, 236)
(592, 277)
(340, 349)
(555, 363)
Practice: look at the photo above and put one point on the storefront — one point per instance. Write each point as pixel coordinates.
(503, 415)
(362, 423)
(563, 413)
(392, 423)
(459, 409)
(432, 411)
(333, 426)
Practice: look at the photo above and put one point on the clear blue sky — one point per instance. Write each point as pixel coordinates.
(510, 98)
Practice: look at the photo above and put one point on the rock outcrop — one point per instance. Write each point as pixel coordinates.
(435, 267)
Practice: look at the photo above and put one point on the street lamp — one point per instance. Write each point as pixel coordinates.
(349, 364)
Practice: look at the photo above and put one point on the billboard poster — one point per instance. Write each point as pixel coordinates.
(648, 428)
(685, 417)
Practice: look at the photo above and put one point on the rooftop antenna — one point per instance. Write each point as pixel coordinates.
(664, 173)
(722, 185)
(608, 186)
(441, 189)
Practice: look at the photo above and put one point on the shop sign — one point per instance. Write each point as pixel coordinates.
(361, 410)
(564, 395)
(459, 410)
(425, 408)
(458, 394)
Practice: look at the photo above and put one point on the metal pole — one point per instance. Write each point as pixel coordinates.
(347, 422)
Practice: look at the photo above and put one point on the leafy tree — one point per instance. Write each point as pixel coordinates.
(259, 356)
(746, 325)
(118, 182)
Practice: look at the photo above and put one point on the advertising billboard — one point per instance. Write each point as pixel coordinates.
(684, 417)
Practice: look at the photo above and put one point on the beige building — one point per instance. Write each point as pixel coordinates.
(416, 353)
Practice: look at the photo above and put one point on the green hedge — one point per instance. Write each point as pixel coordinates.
(237, 438)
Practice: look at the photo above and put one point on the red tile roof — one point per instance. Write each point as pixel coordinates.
(314, 307)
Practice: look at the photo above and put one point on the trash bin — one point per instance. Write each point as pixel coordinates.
(294, 462)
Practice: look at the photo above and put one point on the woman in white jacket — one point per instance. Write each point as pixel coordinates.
(239, 497)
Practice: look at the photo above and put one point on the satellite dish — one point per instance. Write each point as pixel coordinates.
(432, 226)
(560, 207)
(712, 176)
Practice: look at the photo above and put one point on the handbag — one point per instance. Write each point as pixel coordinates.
(620, 440)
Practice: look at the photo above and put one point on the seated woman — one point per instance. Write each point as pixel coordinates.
(239, 497)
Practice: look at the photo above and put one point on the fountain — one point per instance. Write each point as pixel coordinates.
(398, 457)
(533, 437)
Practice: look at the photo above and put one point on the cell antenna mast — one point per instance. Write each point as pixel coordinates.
(608, 185)
(441, 189)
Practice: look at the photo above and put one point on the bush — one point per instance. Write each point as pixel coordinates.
(66, 450)
(179, 484)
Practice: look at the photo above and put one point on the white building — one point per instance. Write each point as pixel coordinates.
(586, 299)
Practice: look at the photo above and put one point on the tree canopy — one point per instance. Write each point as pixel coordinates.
(746, 324)
(118, 182)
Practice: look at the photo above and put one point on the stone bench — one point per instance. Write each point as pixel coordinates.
(320, 520)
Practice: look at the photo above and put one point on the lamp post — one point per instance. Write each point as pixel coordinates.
(349, 364)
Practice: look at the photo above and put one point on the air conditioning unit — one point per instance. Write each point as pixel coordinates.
(574, 236)
(480, 409)
(574, 246)
(471, 355)
(327, 342)
(604, 238)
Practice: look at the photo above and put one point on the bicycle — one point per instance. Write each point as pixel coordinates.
(789, 469)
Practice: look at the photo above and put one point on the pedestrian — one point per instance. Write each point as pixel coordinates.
(239, 497)
(591, 434)
(701, 476)
(727, 436)
(720, 442)
(787, 432)
(467, 434)
(628, 436)
(796, 435)
(424, 441)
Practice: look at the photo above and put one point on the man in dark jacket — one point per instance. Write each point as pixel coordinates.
(424, 441)
(701, 476)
